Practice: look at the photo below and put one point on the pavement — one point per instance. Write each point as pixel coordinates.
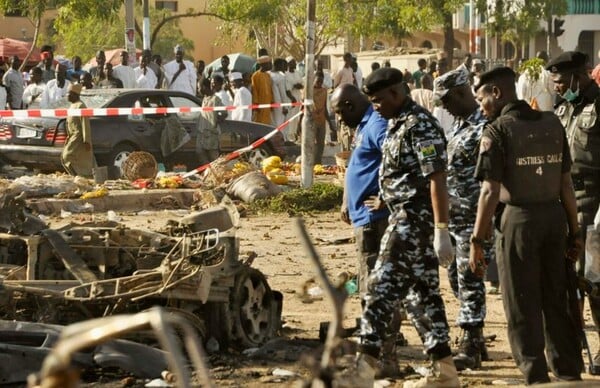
(154, 199)
(117, 200)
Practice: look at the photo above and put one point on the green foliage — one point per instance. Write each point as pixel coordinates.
(517, 22)
(80, 36)
(283, 22)
(533, 67)
(32, 9)
(320, 197)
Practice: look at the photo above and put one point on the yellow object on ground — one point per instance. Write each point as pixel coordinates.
(270, 163)
(102, 192)
(169, 182)
(319, 169)
(278, 177)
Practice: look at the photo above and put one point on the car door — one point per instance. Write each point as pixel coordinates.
(146, 129)
(230, 139)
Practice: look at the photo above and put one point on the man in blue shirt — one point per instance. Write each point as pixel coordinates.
(361, 206)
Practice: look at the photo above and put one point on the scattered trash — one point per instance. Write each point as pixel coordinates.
(283, 373)
(422, 370)
(158, 383)
(74, 207)
(56, 366)
(101, 192)
(351, 286)
(112, 216)
(65, 214)
(168, 376)
(315, 291)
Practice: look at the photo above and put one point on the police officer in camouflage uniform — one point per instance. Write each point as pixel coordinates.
(578, 110)
(453, 91)
(524, 162)
(361, 206)
(412, 181)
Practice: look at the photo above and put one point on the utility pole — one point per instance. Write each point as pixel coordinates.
(130, 30)
(308, 126)
(472, 44)
(146, 26)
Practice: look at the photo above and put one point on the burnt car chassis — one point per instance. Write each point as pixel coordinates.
(95, 270)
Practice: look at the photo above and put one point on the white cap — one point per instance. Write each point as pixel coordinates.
(235, 75)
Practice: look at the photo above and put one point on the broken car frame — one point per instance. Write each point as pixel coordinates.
(87, 271)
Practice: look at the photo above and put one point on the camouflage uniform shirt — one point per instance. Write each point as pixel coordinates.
(414, 148)
(463, 150)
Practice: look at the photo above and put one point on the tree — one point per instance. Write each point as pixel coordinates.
(281, 28)
(80, 36)
(518, 22)
(35, 9)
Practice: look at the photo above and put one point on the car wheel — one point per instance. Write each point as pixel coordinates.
(119, 154)
(256, 156)
(252, 309)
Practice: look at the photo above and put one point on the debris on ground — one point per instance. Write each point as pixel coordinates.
(192, 268)
(24, 345)
(58, 371)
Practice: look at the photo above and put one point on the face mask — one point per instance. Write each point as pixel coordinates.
(570, 95)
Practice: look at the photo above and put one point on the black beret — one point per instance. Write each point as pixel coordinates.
(493, 75)
(569, 60)
(381, 79)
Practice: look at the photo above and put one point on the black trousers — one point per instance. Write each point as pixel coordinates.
(531, 263)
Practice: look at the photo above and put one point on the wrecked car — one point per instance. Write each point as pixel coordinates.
(88, 271)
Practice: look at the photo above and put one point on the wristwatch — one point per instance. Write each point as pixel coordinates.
(476, 240)
(441, 225)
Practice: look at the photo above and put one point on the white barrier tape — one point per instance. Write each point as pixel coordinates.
(237, 153)
(90, 112)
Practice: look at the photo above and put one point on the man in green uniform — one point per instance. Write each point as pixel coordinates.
(77, 156)
(578, 110)
(524, 162)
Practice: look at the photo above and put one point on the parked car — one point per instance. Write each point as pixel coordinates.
(38, 142)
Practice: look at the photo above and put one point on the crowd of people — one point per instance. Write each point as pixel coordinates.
(445, 164)
(516, 168)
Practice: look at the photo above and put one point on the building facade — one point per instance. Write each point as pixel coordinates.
(202, 30)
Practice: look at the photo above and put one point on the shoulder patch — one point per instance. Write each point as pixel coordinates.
(427, 149)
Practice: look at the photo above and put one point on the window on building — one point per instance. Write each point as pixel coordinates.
(169, 5)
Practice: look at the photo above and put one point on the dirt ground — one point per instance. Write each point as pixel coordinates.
(287, 267)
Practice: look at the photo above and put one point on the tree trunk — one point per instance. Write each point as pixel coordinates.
(36, 32)
(448, 39)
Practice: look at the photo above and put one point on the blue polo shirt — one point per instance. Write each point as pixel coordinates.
(362, 174)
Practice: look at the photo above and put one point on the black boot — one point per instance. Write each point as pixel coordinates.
(471, 347)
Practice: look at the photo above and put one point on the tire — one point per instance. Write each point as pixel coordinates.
(218, 322)
(117, 156)
(252, 309)
(194, 320)
(256, 156)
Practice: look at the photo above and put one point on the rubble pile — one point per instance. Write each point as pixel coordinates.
(81, 271)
